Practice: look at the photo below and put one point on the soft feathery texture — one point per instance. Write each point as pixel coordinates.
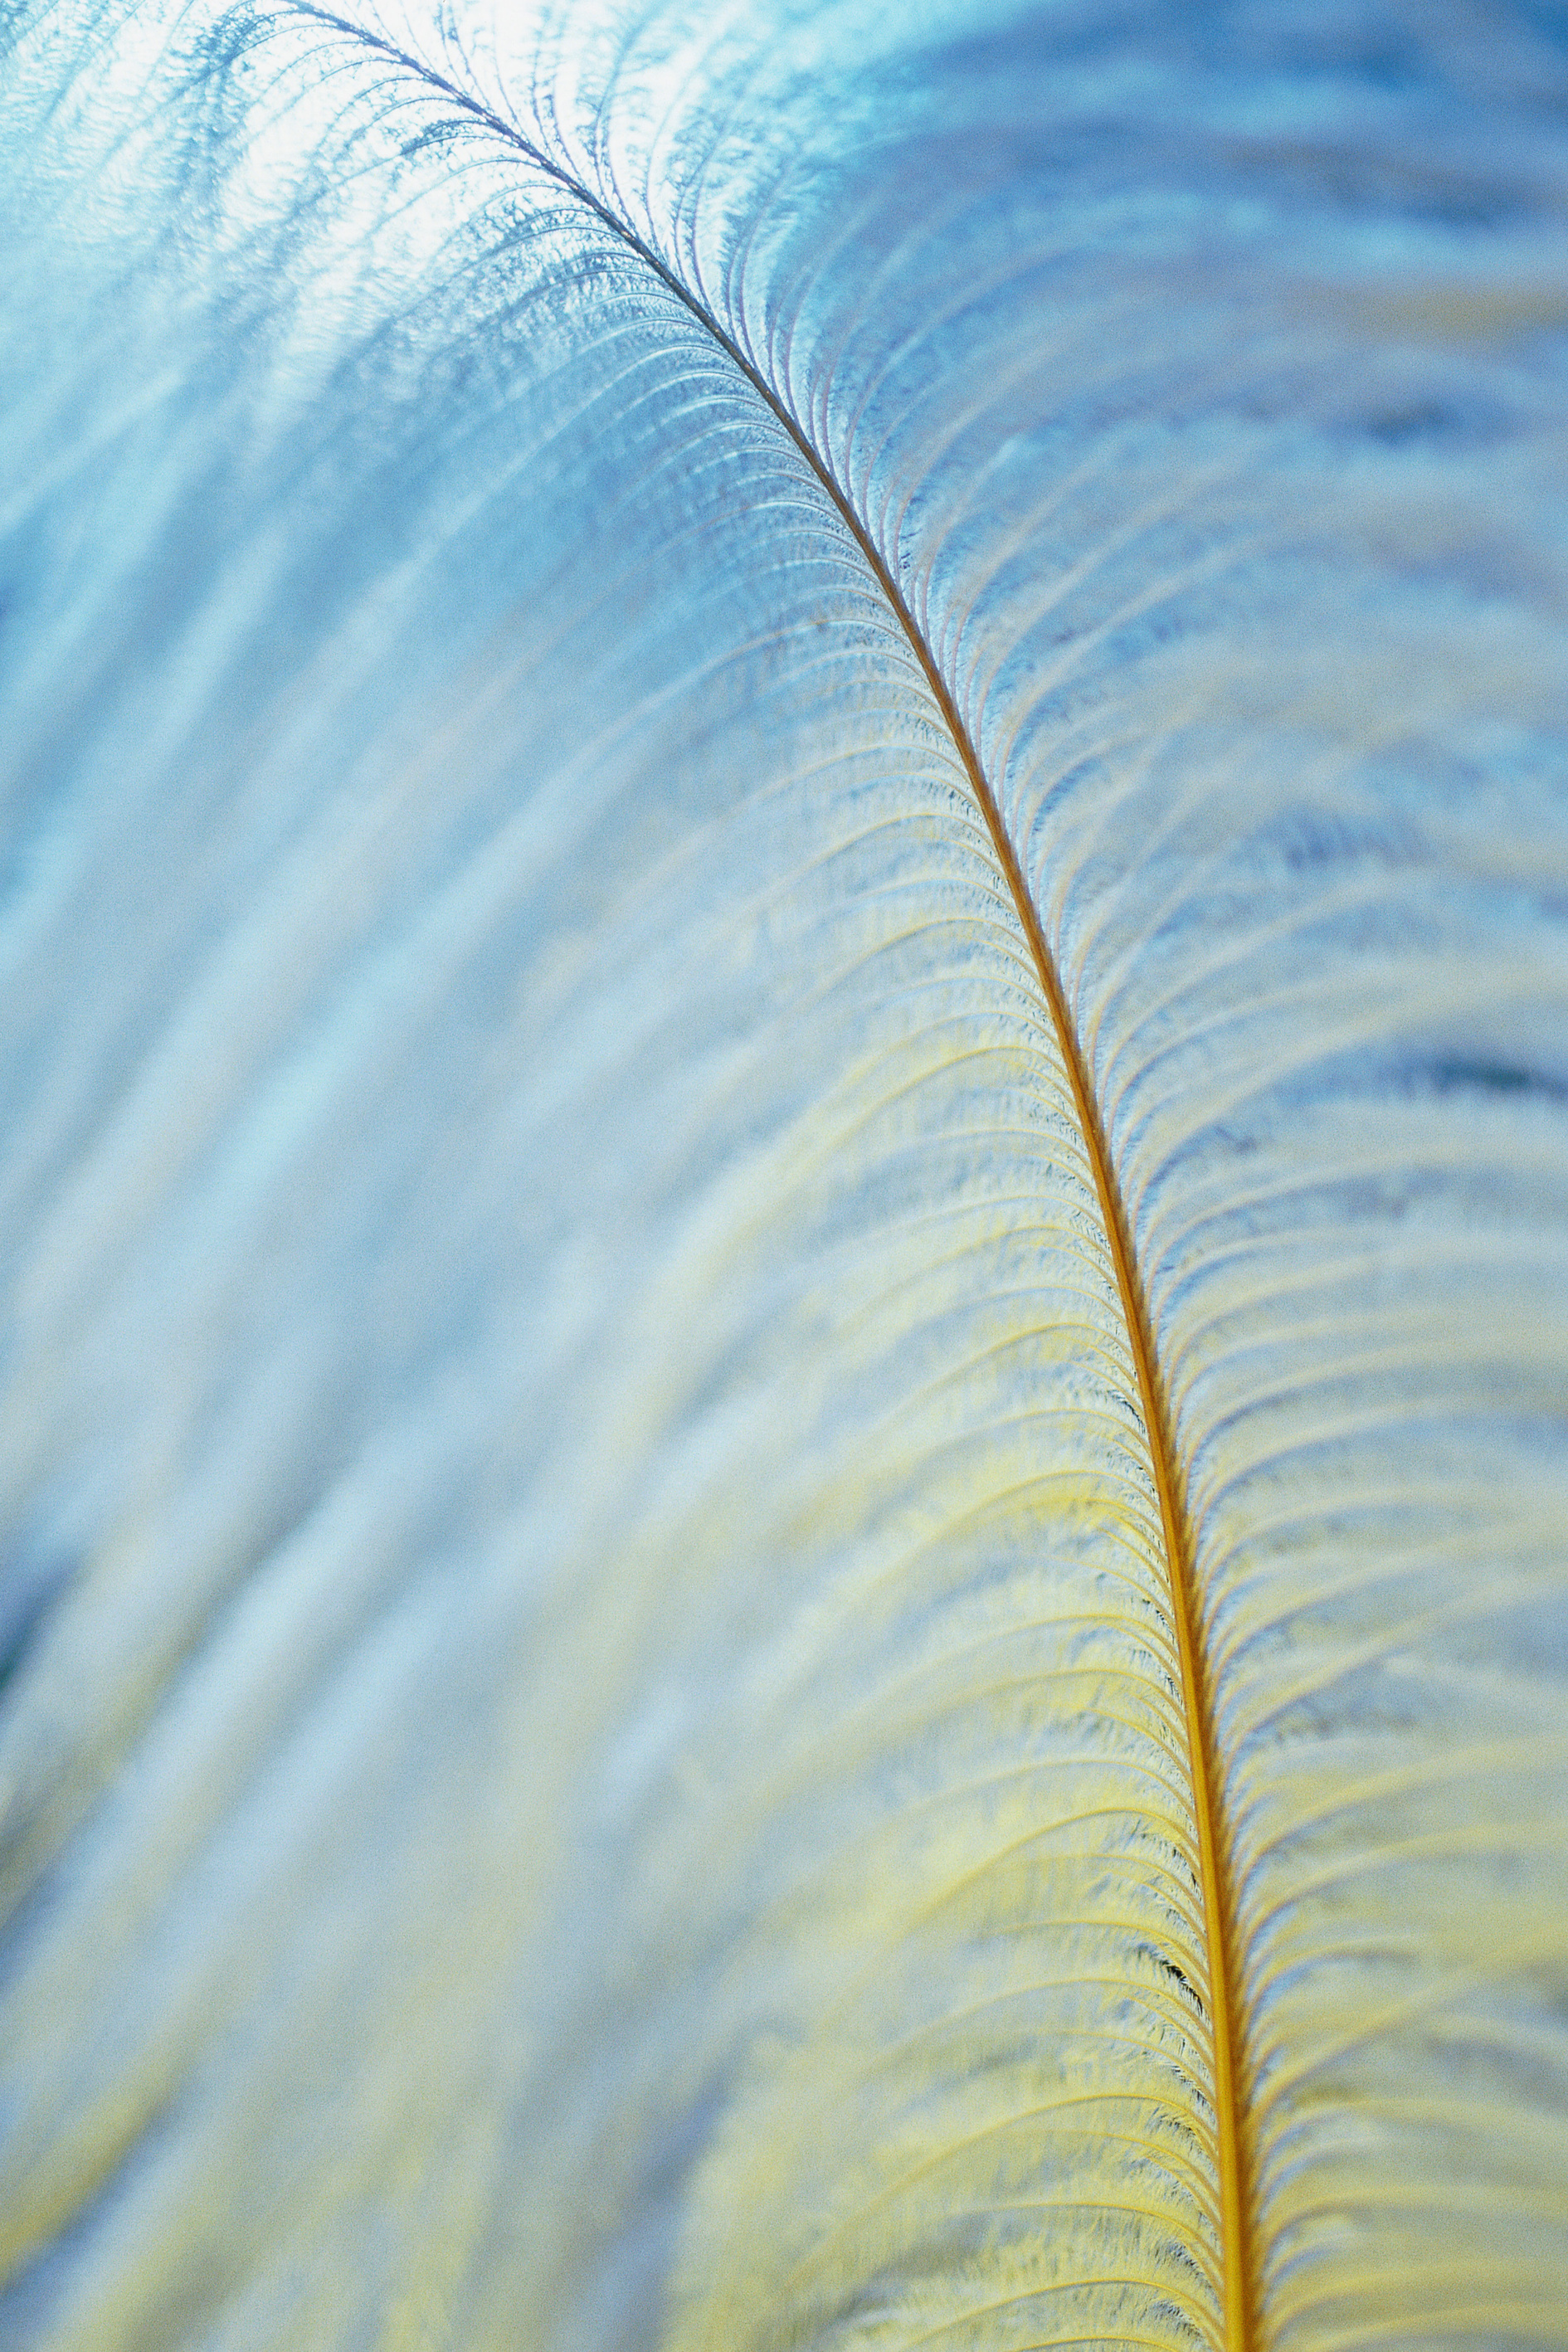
(597, 1750)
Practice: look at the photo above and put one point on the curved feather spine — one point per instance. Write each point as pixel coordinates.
(1237, 2300)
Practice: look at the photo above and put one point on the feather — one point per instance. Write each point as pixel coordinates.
(783, 1178)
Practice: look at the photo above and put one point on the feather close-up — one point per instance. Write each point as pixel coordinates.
(783, 1175)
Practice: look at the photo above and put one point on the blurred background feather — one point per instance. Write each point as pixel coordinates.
(593, 1749)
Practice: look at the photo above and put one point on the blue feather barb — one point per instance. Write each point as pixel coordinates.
(784, 1176)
